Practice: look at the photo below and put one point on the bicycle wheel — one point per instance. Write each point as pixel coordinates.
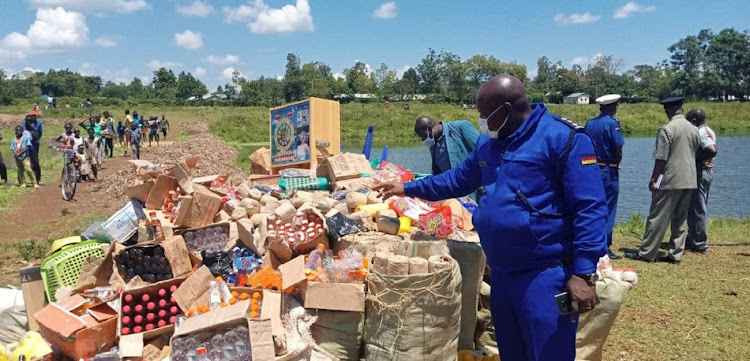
(68, 182)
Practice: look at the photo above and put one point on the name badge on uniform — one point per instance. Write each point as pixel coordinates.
(482, 163)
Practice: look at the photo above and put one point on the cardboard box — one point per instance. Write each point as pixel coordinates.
(159, 191)
(342, 167)
(78, 334)
(175, 251)
(137, 191)
(132, 345)
(166, 225)
(271, 307)
(326, 296)
(261, 161)
(225, 228)
(260, 331)
(32, 287)
(199, 209)
(194, 290)
(352, 184)
(458, 209)
(124, 224)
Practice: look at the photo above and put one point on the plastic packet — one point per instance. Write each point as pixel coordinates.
(437, 222)
(339, 195)
(293, 173)
(389, 169)
(340, 225)
(409, 207)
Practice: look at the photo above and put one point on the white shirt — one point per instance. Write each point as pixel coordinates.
(707, 136)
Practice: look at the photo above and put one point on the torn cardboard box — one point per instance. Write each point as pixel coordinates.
(175, 251)
(260, 331)
(77, 330)
(164, 184)
(199, 209)
(342, 167)
(326, 296)
(261, 161)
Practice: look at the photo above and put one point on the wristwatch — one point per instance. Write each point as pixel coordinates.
(589, 277)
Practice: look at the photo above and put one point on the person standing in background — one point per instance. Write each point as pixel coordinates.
(3, 169)
(34, 127)
(605, 131)
(673, 180)
(164, 126)
(697, 239)
(127, 123)
(109, 135)
(135, 140)
(21, 148)
(92, 145)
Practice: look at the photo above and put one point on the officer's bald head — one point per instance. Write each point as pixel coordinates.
(696, 116)
(507, 92)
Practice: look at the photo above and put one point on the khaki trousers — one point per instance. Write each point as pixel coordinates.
(668, 208)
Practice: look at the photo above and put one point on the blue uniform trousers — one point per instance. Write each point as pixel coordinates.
(528, 324)
(611, 178)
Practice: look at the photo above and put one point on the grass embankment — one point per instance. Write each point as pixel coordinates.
(694, 311)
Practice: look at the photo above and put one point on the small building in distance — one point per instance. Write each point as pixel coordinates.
(576, 98)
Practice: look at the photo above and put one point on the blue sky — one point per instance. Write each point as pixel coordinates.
(122, 39)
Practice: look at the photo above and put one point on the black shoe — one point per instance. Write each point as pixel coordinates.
(697, 250)
(613, 255)
(636, 257)
(668, 259)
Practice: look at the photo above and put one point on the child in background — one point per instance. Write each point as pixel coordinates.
(135, 141)
(93, 150)
(21, 147)
(121, 134)
(84, 169)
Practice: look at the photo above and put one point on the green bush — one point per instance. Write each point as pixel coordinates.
(30, 249)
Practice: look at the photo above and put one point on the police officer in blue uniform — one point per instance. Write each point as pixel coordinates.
(541, 221)
(605, 131)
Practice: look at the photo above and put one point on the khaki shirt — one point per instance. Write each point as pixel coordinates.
(677, 142)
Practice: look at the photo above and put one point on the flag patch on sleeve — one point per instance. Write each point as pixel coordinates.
(588, 159)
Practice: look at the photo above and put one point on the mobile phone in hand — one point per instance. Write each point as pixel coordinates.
(563, 303)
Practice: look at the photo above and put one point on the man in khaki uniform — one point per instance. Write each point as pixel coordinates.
(672, 183)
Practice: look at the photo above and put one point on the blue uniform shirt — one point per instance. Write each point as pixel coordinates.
(538, 210)
(440, 156)
(607, 136)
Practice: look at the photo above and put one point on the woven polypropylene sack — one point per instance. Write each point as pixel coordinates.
(594, 326)
(470, 258)
(367, 243)
(414, 317)
(339, 332)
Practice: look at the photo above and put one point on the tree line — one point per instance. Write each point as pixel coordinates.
(706, 66)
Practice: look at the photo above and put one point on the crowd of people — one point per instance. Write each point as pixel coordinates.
(547, 191)
(90, 151)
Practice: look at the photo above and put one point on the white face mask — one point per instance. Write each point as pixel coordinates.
(485, 128)
(429, 142)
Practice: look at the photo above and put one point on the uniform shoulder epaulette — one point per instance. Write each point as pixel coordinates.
(567, 122)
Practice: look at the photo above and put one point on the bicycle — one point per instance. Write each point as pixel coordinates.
(69, 177)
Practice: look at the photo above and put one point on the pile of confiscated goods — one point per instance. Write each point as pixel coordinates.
(309, 266)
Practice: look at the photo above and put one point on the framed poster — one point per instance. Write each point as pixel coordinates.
(290, 134)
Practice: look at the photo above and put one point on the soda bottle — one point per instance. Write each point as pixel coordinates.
(241, 278)
(214, 296)
(157, 228)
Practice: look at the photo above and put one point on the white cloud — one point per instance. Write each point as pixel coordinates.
(630, 8)
(87, 69)
(584, 18)
(118, 76)
(226, 74)
(146, 80)
(263, 19)
(337, 76)
(189, 40)
(199, 71)
(33, 70)
(219, 60)
(54, 31)
(156, 64)
(385, 11)
(92, 6)
(105, 42)
(400, 72)
(281, 77)
(579, 60)
(196, 8)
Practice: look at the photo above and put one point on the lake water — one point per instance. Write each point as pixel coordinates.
(729, 194)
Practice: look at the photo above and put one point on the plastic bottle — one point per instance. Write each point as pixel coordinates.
(214, 296)
(226, 295)
(201, 354)
(241, 278)
(156, 226)
(297, 222)
(315, 259)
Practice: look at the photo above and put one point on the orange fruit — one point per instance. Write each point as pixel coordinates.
(235, 294)
(256, 295)
(232, 301)
(253, 314)
(244, 296)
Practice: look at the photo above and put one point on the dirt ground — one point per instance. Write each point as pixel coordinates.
(42, 214)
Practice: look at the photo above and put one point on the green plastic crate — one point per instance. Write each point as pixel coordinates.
(63, 267)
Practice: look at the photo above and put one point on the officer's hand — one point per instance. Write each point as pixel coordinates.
(582, 296)
(390, 189)
(652, 186)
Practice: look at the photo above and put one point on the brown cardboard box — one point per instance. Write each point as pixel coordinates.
(33, 287)
(76, 336)
(132, 345)
(137, 191)
(224, 226)
(326, 296)
(159, 191)
(270, 308)
(459, 209)
(261, 161)
(199, 209)
(261, 341)
(166, 225)
(157, 350)
(194, 290)
(352, 184)
(343, 166)
(175, 251)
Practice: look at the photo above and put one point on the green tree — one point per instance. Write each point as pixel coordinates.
(136, 90)
(294, 85)
(115, 91)
(408, 85)
(429, 72)
(728, 54)
(357, 79)
(385, 81)
(189, 86)
(165, 84)
(5, 96)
